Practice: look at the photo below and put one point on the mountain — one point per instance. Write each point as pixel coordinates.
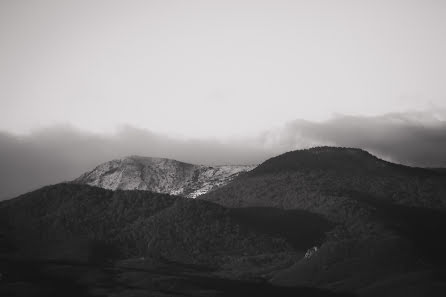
(160, 175)
(389, 219)
(300, 178)
(327, 219)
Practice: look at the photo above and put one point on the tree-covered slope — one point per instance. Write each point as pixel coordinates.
(84, 223)
(304, 179)
(389, 217)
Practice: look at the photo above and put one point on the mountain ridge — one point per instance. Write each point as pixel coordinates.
(339, 219)
(160, 175)
(332, 171)
(329, 157)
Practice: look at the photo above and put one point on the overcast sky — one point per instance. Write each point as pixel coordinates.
(216, 82)
(216, 68)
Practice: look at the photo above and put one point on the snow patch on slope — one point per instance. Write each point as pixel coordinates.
(161, 175)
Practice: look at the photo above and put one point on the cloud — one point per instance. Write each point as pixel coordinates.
(62, 153)
(413, 138)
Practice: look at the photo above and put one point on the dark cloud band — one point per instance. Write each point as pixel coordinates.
(63, 153)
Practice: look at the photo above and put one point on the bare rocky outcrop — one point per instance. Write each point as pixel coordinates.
(160, 175)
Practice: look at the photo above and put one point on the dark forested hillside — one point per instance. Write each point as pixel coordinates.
(386, 214)
(334, 219)
(300, 179)
(50, 235)
(84, 223)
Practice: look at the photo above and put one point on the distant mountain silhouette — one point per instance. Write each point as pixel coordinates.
(299, 179)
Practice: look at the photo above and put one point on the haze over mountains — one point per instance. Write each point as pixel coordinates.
(65, 152)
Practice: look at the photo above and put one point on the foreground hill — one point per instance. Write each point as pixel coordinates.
(78, 240)
(90, 224)
(160, 175)
(389, 217)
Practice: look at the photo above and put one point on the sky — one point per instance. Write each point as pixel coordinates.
(199, 69)
(216, 82)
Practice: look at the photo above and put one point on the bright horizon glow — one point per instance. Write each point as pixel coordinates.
(198, 69)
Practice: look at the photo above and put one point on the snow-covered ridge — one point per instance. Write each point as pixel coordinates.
(161, 175)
